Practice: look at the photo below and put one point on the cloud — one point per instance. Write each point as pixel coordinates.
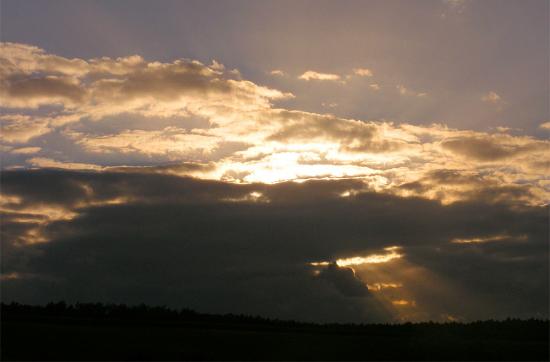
(49, 163)
(28, 59)
(345, 280)
(545, 125)
(137, 235)
(26, 150)
(391, 253)
(97, 88)
(168, 141)
(312, 75)
(128, 111)
(403, 302)
(491, 148)
(486, 239)
(352, 135)
(491, 97)
(179, 182)
(453, 7)
(182, 85)
(329, 105)
(363, 72)
(18, 128)
(456, 5)
(405, 91)
(33, 92)
(277, 72)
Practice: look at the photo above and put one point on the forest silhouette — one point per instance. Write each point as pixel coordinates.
(96, 331)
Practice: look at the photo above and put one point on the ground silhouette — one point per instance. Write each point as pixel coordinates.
(95, 331)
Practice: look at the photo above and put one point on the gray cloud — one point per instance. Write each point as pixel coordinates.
(345, 280)
(488, 149)
(207, 245)
(354, 136)
(31, 92)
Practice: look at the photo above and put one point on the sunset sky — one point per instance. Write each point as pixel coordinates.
(348, 161)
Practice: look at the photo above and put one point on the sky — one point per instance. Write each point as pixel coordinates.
(350, 161)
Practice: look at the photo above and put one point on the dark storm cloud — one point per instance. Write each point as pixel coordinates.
(204, 244)
(510, 277)
(345, 280)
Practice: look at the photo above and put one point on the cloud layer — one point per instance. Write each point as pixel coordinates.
(130, 111)
(136, 235)
(181, 183)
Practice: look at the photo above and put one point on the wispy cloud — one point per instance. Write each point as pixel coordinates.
(491, 97)
(26, 150)
(408, 92)
(363, 72)
(45, 162)
(453, 7)
(277, 72)
(312, 75)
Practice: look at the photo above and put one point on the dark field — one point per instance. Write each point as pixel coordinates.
(98, 332)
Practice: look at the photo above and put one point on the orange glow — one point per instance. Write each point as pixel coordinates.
(320, 263)
(10, 276)
(391, 254)
(404, 303)
(380, 286)
(372, 259)
(486, 239)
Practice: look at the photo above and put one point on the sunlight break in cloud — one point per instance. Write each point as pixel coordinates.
(391, 254)
(404, 303)
(382, 286)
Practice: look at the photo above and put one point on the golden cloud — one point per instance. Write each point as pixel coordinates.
(313, 75)
(363, 72)
(274, 144)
